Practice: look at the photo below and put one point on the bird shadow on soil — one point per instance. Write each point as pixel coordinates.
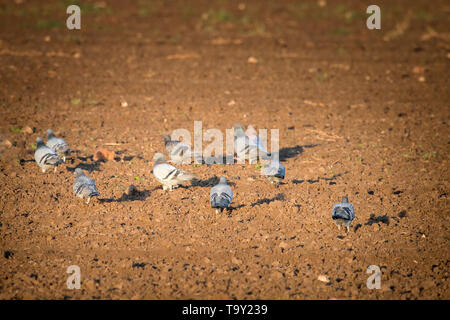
(90, 167)
(210, 182)
(133, 195)
(311, 181)
(278, 197)
(292, 152)
(23, 161)
(374, 219)
(232, 208)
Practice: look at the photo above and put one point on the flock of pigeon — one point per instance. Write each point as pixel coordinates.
(247, 145)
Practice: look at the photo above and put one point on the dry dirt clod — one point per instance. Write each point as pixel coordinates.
(323, 278)
(102, 154)
(27, 130)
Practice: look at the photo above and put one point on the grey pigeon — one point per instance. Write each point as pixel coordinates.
(254, 140)
(57, 144)
(221, 195)
(168, 175)
(247, 148)
(84, 187)
(275, 172)
(44, 156)
(343, 213)
(178, 151)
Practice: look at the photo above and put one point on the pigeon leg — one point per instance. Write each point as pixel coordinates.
(170, 188)
(339, 226)
(217, 211)
(89, 199)
(164, 188)
(55, 169)
(348, 228)
(64, 159)
(43, 170)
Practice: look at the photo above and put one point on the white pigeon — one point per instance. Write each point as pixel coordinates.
(178, 151)
(275, 172)
(57, 144)
(221, 195)
(254, 139)
(84, 187)
(45, 157)
(343, 213)
(168, 175)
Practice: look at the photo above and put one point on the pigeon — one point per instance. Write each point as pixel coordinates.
(44, 156)
(57, 144)
(254, 140)
(246, 148)
(84, 187)
(177, 150)
(168, 175)
(275, 172)
(343, 213)
(221, 195)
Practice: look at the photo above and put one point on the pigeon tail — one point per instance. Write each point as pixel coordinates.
(221, 201)
(94, 194)
(342, 213)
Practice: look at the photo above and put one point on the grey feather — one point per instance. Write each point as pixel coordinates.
(168, 175)
(84, 187)
(178, 151)
(343, 213)
(57, 144)
(247, 148)
(221, 195)
(44, 156)
(275, 172)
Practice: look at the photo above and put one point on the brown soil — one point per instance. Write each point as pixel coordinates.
(357, 115)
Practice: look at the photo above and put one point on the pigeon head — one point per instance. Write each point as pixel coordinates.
(167, 138)
(158, 158)
(238, 130)
(79, 172)
(251, 131)
(39, 142)
(223, 180)
(50, 133)
(345, 199)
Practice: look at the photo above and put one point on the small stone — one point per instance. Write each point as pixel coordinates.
(7, 143)
(252, 60)
(103, 154)
(283, 245)
(421, 79)
(236, 261)
(231, 103)
(27, 130)
(418, 70)
(323, 278)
